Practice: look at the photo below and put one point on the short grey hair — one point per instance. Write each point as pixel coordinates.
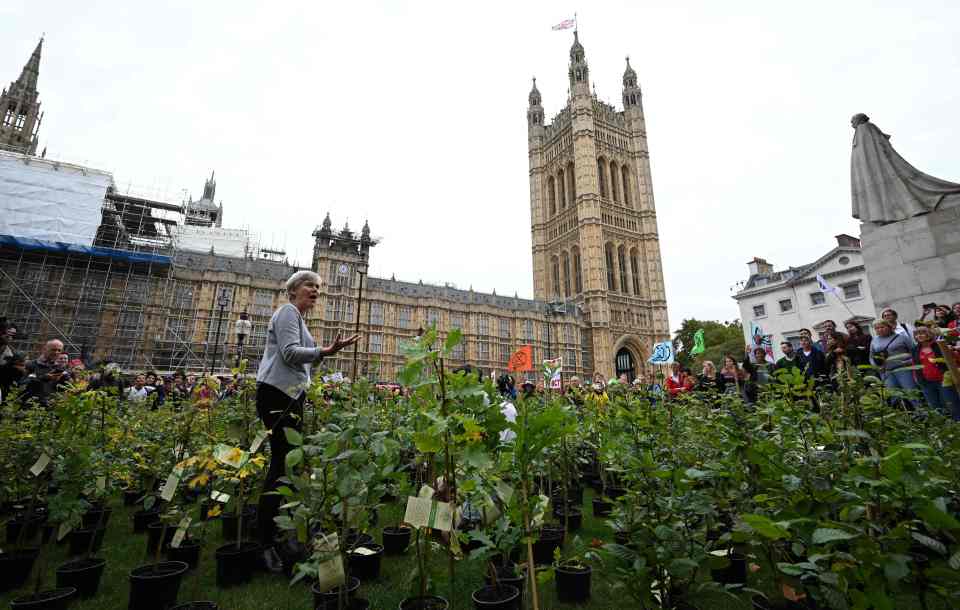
(299, 278)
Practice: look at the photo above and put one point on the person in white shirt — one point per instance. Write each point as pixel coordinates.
(138, 391)
(505, 386)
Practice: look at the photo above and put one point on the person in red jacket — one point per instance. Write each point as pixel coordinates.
(680, 381)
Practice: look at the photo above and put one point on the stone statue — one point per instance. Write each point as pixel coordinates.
(884, 186)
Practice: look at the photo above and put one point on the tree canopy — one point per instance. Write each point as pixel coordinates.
(720, 338)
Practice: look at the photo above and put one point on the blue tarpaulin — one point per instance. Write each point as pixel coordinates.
(28, 243)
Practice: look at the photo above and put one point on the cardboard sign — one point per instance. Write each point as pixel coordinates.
(422, 512)
(40, 465)
(258, 441)
(169, 488)
(330, 573)
(521, 360)
(181, 532)
(219, 496)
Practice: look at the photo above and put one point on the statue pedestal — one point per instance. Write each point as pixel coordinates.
(913, 261)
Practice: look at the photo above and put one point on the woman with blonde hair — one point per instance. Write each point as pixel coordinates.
(282, 381)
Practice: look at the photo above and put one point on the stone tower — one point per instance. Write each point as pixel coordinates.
(20, 109)
(593, 218)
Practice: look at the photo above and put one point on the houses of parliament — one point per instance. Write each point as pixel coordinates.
(160, 286)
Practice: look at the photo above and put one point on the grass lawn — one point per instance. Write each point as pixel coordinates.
(125, 550)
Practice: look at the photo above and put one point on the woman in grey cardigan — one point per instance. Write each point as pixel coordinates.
(282, 380)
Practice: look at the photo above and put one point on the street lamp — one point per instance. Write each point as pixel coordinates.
(242, 328)
(222, 301)
(362, 270)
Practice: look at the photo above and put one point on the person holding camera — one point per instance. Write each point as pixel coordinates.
(892, 353)
(44, 373)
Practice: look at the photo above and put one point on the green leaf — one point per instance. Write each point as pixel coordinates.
(694, 473)
(935, 516)
(854, 434)
(896, 567)
(682, 567)
(293, 437)
(476, 456)
(791, 569)
(453, 338)
(427, 442)
(823, 535)
(930, 543)
(294, 457)
(765, 527)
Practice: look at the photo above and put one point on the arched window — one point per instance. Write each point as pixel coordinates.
(571, 184)
(566, 274)
(556, 277)
(611, 276)
(602, 176)
(552, 195)
(625, 174)
(577, 277)
(614, 183)
(622, 260)
(562, 195)
(635, 271)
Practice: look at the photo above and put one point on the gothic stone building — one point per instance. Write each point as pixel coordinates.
(598, 288)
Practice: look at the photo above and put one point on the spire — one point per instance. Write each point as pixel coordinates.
(326, 223)
(579, 72)
(629, 75)
(210, 187)
(631, 91)
(535, 112)
(576, 51)
(31, 71)
(534, 97)
(365, 233)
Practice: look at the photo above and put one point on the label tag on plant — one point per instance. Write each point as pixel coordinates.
(63, 530)
(422, 512)
(101, 483)
(426, 492)
(330, 573)
(40, 465)
(219, 496)
(258, 441)
(181, 532)
(362, 550)
(170, 487)
(178, 450)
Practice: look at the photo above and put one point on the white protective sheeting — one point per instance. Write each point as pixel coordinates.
(226, 242)
(50, 201)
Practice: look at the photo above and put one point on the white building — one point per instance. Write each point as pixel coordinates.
(783, 302)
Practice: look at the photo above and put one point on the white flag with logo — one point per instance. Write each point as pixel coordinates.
(824, 286)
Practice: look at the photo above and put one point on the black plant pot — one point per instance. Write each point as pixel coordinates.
(97, 518)
(188, 552)
(543, 548)
(197, 606)
(143, 518)
(573, 584)
(235, 564)
(503, 597)
(154, 531)
(431, 602)
(509, 575)
(56, 599)
(571, 517)
(735, 573)
(82, 574)
(17, 524)
(80, 541)
(357, 539)
(15, 568)
(396, 539)
(602, 508)
(328, 600)
(366, 567)
(229, 523)
(130, 497)
(155, 586)
(615, 492)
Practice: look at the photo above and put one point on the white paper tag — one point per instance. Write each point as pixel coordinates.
(422, 512)
(504, 491)
(258, 441)
(181, 532)
(178, 450)
(362, 550)
(101, 483)
(40, 465)
(330, 573)
(63, 530)
(426, 492)
(219, 496)
(169, 488)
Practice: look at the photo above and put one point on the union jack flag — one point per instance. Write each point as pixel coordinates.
(566, 24)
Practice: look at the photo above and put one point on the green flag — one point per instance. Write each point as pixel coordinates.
(698, 346)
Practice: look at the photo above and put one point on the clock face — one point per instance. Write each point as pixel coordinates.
(343, 269)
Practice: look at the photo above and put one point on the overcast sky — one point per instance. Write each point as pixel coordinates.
(412, 115)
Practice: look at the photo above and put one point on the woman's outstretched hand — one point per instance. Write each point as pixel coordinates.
(338, 344)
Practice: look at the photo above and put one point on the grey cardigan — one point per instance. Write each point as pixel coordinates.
(289, 353)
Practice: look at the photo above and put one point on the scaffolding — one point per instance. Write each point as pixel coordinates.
(119, 298)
